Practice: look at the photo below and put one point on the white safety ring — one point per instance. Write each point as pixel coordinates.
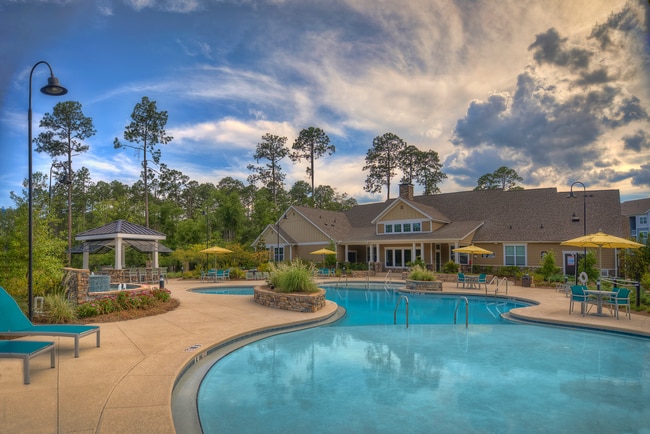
(583, 278)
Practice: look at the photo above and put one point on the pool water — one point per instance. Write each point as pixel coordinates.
(384, 378)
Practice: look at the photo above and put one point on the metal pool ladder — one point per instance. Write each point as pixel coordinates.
(406, 304)
(466, 310)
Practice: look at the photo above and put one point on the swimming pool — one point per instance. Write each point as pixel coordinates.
(497, 377)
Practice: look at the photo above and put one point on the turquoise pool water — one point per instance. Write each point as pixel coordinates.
(430, 377)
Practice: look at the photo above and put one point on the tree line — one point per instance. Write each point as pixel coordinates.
(68, 201)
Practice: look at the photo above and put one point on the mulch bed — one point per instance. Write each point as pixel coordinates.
(126, 315)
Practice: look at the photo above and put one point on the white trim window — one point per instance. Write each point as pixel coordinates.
(400, 257)
(278, 254)
(407, 226)
(515, 255)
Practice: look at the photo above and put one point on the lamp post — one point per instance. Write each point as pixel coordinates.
(584, 220)
(53, 88)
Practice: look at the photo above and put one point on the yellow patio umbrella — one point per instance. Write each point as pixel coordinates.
(323, 252)
(216, 250)
(601, 240)
(473, 250)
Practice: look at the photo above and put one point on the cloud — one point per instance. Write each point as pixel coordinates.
(227, 134)
(638, 141)
(560, 114)
(550, 48)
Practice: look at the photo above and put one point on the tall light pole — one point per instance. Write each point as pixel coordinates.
(584, 219)
(52, 88)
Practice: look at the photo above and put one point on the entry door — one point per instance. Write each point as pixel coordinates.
(571, 261)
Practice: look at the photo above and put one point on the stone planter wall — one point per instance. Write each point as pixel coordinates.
(295, 301)
(424, 285)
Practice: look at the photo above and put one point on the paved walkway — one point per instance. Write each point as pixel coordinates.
(126, 385)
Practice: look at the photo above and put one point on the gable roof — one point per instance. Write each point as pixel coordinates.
(536, 215)
(427, 211)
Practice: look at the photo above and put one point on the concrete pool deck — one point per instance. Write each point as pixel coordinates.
(125, 386)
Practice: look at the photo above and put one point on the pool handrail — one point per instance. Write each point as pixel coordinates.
(497, 283)
(466, 310)
(399, 301)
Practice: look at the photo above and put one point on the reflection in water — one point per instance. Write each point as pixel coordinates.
(436, 378)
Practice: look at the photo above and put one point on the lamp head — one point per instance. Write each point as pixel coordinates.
(53, 87)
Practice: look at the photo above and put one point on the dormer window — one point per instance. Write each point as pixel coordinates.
(391, 228)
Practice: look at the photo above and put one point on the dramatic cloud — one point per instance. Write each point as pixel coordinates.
(638, 141)
(565, 108)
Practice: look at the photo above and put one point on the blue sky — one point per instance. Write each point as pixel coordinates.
(557, 90)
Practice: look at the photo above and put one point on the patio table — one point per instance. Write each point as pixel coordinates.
(600, 296)
(471, 281)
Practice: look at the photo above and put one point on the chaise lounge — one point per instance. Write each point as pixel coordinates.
(13, 322)
(26, 350)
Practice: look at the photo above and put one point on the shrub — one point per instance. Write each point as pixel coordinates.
(293, 277)
(420, 273)
(450, 267)
(549, 268)
(59, 309)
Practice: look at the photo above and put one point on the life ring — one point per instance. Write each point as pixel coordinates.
(583, 278)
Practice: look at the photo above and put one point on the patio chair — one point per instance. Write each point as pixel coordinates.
(482, 279)
(461, 279)
(578, 295)
(13, 322)
(620, 299)
(26, 350)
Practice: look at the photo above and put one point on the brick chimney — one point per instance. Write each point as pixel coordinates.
(406, 191)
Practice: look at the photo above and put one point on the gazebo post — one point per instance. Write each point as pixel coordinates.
(155, 256)
(118, 253)
(86, 258)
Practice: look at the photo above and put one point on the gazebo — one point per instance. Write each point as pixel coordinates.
(118, 235)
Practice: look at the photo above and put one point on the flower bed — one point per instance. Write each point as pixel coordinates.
(293, 301)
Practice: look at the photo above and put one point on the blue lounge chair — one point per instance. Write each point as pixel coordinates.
(26, 350)
(13, 322)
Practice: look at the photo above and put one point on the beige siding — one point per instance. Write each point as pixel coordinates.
(402, 212)
(269, 237)
(301, 230)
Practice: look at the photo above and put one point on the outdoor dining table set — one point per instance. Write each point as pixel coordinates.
(614, 299)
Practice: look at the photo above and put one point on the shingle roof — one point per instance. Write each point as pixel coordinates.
(536, 215)
(635, 207)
